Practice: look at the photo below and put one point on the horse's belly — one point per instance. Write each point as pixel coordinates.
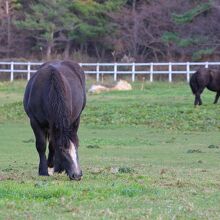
(213, 87)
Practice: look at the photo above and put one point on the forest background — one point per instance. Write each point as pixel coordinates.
(110, 30)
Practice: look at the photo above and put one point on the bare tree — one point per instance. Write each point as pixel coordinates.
(139, 29)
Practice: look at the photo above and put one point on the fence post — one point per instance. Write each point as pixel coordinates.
(29, 71)
(133, 72)
(151, 71)
(115, 71)
(187, 71)
(12, 72)
(170, 72)
(97, 72)
(206, 64)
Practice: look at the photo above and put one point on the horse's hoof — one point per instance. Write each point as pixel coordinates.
(50, 171)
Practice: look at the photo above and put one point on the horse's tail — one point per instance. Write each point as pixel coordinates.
(58, 110)
(194, 83)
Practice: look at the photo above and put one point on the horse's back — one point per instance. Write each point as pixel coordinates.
(38, 88)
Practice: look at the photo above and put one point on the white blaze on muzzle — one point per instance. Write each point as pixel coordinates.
(73, 154)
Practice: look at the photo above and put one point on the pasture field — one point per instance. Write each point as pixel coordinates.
(145, 154)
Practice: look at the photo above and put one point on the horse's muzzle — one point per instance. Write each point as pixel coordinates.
(76, 177)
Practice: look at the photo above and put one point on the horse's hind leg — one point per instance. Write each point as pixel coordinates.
(40, 135)
(216, 97)
(198, 100)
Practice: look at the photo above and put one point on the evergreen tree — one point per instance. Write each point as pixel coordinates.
(7, 12)
(46, 20)
(94, 25)
(194, 41)
(53, 22)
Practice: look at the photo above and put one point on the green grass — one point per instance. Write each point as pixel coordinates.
(145, 154)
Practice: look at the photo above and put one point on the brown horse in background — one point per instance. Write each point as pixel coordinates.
(54, 99)
(205, 78)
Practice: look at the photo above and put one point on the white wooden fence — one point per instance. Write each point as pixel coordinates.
(115, 69)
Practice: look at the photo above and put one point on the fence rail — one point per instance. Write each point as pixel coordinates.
(115, 69)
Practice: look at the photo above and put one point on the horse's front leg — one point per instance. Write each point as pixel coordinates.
(40, 136)
(200, 100)
(216, 97)
(195, 102)
(50, 161)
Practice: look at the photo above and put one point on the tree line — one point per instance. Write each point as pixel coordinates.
(110, 30)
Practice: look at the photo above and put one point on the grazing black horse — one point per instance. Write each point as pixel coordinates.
(54, 99)
(205, 77)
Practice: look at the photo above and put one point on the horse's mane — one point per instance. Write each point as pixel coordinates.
(59, 111)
